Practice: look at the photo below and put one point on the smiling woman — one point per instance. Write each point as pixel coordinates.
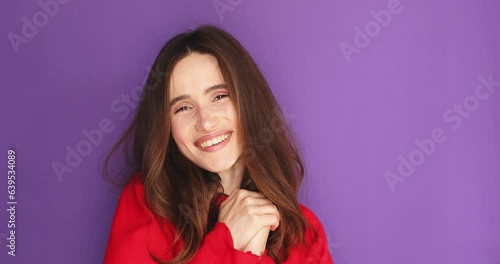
(203, 120)
(199, 192)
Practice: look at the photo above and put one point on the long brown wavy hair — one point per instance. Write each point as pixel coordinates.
(179, 191)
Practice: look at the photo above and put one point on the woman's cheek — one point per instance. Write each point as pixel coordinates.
(178, 132)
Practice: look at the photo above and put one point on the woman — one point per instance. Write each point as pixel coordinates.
(217, 168)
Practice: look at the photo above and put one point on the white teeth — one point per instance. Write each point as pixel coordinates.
(214, 141)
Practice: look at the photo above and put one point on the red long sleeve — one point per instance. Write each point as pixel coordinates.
(134, 231)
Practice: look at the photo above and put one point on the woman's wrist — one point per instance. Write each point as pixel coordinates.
(258, 243)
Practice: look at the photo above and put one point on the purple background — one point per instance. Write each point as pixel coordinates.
(354, 117)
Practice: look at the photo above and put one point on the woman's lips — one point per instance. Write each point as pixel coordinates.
(211, 136)
(215, 143)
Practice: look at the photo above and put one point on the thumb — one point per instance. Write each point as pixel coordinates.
(230, 197)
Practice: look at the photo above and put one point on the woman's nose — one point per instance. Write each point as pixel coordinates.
(207, 120)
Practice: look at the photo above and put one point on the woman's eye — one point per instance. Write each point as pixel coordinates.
(181, 109)
(218, 97)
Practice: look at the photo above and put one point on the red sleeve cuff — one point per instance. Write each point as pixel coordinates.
(237, 255)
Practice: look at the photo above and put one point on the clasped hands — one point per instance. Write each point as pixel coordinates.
(250, 217)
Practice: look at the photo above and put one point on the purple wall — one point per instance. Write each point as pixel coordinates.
(398, 117)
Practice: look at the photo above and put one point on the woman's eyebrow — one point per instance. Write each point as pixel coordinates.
(208, 90)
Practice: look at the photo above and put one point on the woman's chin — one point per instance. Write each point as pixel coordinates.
(219, 167)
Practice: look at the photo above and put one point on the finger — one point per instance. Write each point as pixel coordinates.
(232, 194)
(266, 208)
(230, 198)
(270, 210)
(268, 220)
(275, 226)
(242, 194)
(251, 201)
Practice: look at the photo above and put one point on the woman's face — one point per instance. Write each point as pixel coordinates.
(203, 117)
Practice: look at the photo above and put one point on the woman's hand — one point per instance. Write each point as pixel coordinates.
(249, 215)
(258, 244)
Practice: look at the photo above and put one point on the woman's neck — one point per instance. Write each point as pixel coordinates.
(231, 178)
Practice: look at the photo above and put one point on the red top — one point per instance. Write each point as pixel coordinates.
(134, 229)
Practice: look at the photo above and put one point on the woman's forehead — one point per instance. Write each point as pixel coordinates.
(194, 73)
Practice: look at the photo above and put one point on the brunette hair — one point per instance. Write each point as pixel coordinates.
(178, 190)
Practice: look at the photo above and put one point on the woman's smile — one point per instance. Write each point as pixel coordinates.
(213, 141)
(204, 123)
